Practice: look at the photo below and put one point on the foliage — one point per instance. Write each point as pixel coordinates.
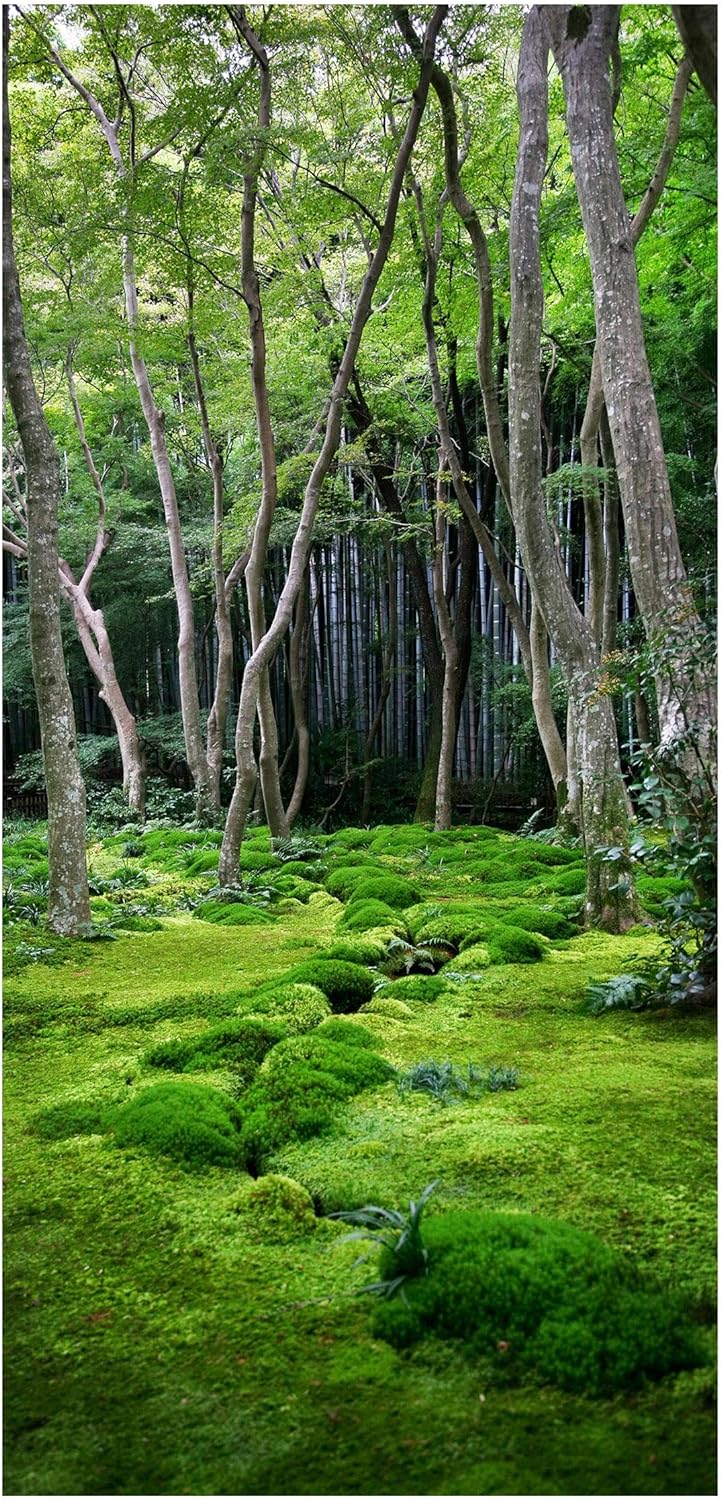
(540, 1295)
(400, 1236)
(196, 1125)
(623, 992)
(444, 1080)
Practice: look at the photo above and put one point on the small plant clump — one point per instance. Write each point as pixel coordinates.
(346, 986)
(240, 1045)
(193, 1123)
(443, 1080)
(537, 1295)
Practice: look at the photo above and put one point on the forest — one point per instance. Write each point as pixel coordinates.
(359, 730)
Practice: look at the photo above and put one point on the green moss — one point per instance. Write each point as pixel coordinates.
(551, 924)
(456, 929)
(342, 881)
(511, 945)
(389, 889)
(425, 987)
(364, 916)
(231, 914)
(275, 1208)
(473, 958)
(539, 1295)
(355, 1067)
(196, 1125)
(74, 1117)
(348, 1032)
(300, 1006)
(359, 949)
(345, 985)
(387, 1005)
(241, 1046)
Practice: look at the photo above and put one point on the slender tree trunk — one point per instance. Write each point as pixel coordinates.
(610, 899)
(388, 652)
(266, 649)
(449, 732)
(68, 901)
(298, 676)
(697, 25)
(657, 570)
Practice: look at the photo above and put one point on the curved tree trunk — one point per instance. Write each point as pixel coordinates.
(298, 675)
(657, 570)
(68, 899)
(262, 656)
(449, 735)
(610, 898)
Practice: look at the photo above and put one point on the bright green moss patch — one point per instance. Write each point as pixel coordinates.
(390, 889)
(300, 1006)
(167, 1334)
(241, 1045)
(540, 1296)
(365, 916)
(231, 914)
(346, 986)
(190, 1122)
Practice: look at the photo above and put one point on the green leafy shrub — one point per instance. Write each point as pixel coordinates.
(190, 1122)
(363, 916)
(550, 924)
(623, 992)
(538, 1295)
(398, 1235)
(240, 1045)
(425, 987)
(346, 986)
(231, 914)
(390, 889)
(275, 1208)
(362, 948)
(301, 1006)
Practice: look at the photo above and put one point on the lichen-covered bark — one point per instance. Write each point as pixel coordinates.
(68, 901)
(610, 898)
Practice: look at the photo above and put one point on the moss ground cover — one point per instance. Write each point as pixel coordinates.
(195, 1331)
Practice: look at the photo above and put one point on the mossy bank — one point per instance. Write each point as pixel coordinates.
(181, 1325)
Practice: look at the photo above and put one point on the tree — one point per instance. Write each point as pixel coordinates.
(68, 900)
(610, 899)
(583, 43)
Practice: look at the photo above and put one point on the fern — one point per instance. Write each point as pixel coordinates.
(623, 992)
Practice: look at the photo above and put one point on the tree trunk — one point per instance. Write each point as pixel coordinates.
(388, 652)
(68, 900)
(265, 651)
(697, 25)
(298, 675)
(610, 898)
(657, 570)
(449, 729)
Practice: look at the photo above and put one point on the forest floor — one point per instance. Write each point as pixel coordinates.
(162, 1337)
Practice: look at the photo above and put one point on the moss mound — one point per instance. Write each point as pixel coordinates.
(363, 916)
(190, 1122)
(454, 928)
(76, 1117)
(295, 1095)
(347, 1032)
(538, 1295)
(346, 986)
(390, 889)
(472, 959)
(278, 1208)
(240, 1045)
(231, 914)
(301, 1007)
(511, 945)
(387, 1005)
(551, 924)
(362, 948)
(343, 880)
